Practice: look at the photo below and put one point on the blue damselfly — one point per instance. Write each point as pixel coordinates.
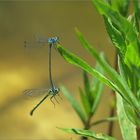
(52, 91)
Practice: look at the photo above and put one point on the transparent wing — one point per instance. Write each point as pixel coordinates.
(36, 92)
(41, 39)
(33, 44)
(38, 41)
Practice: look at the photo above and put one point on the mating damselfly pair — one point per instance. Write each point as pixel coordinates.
(53, 90)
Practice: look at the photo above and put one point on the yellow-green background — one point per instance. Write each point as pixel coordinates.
(22, 68)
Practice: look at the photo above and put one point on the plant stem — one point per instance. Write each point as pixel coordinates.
(87, 126)
(111, 123)
(112, 111)
(102, 121)
(138, 132)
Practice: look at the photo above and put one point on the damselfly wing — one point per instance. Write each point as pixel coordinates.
(35, 92)
(40, 41)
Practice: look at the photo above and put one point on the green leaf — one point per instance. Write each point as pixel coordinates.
(129, 110)
(87, 85)
(136, 71)
(109, 119)
(91, 99)
(124, 89)
(134, 79)
(123, 69)
(132, 55)
(125, 27)
(137, 12)
(131, 114)
(73, 59)
(88, 133)
(122, 23)
(121, 6)
(97, 89)
(138, 95)
(100, 59)
(74, 103)
(129, 75)
(128, 129)
(116, 37)
(85, 102)
(137, 8)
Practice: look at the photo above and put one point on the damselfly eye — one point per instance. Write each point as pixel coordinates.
(58, 89)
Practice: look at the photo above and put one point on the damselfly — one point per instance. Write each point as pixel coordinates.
(52, 91)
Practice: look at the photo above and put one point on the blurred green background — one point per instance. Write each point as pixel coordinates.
(23, 68)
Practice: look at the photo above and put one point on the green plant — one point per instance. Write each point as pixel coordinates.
(124, 34)
(90, 98)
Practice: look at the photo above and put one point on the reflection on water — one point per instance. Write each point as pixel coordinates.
(22, 68)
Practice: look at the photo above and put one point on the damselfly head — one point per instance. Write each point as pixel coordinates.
(54, 90)
(53, 40)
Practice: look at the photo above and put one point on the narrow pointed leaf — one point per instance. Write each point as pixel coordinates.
(74, 104)
(131, 114)
(87, 85)
(116, 37)
(88, 133)
(128, 129)
(109, 119)
(85, 102)
(114, 76)
(97, 90)
(73, 59)
(123, 69)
